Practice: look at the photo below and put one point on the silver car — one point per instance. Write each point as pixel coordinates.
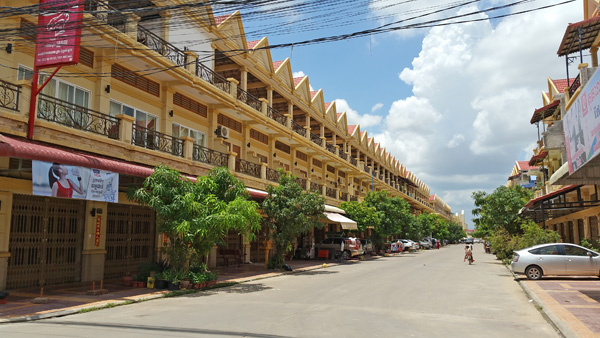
(558, 259)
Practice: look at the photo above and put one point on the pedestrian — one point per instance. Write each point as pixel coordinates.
(437, 244)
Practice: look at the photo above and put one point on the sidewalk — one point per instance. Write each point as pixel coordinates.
(68, 299)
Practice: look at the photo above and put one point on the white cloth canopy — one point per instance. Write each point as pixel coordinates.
(346, 223)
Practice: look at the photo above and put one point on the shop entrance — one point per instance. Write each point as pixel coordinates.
(130, 239)
(46, 239)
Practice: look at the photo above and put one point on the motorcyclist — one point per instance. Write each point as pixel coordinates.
(469, 252)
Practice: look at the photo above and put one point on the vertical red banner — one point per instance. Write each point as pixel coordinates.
(98, 227)
(58, 33)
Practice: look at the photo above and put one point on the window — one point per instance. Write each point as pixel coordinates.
(142, 119)
(179, 131)
(575, 251)
(57, 88)
(547, 250)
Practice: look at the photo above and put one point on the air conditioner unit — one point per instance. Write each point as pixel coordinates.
(222, 132)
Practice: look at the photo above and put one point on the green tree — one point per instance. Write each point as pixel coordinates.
(196, 215)
(455, 232)
(394, 213)
(499, 209)
(290, 212)
(364, 215)
(427, 223)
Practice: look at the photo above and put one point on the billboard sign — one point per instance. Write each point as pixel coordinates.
(581, 125)
(60, 180)
(58, 33)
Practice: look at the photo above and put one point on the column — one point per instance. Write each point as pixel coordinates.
(244, 78)
(5, 216)
(94, 241)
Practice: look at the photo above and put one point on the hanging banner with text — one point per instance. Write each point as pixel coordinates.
(60, 180)
(581, 124)
(58, 33)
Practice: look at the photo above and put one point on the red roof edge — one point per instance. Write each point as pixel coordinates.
(551, 194)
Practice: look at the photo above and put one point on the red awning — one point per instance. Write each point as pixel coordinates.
(11, 147)
(541, 113)
(570, 41)
(513, 176)
(538, 157)
(563, 190)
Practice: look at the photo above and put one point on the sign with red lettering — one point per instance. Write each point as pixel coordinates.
(58, 33)
(98, 227)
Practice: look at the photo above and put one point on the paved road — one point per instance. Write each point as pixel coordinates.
(426, 294)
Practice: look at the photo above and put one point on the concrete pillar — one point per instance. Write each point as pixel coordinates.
(594, 53)
(233, 84)
(131, 28)
(5, 219)
(244, 79)
(94, 242)
(101, 100)
(125, 127)
(188, 147)
(190, 61)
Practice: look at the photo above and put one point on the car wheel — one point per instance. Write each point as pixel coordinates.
(534, 272)
(345, 255)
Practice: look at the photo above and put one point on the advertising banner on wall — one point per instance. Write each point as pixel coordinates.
(581, 124)
(60, 180)
(58, 33)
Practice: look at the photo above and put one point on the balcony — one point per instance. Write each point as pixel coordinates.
(273, 175)
(300, 130)
(107, 14)
(316, 187)
(162, 47)
(353, 161)
(9, 95)
(276, 116)
(330, 148)
(354, 198)
(343, 155)
(248, 168)
(209, 156)
(316, 139)
(301, 182)
(249, 99)
(331, 192)
(576, 84)
(151, 139)
(344, 196)
(211, 77)
(77, 117)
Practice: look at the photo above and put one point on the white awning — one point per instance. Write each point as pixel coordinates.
(331, 208)
(345, 222)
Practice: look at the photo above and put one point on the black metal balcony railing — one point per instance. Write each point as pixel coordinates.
(343, 155)
(316, 139)
(212, 77)
(330, 192)
(316, 187)
(300, 130)
(330, 147)
(276, 115)
(367, 170)
(301, 182)
(249, 99)
(576, 84)
(107, 14)
(151, 139)
(343, 196)
(159, 45)
(273, 175)
(353, 161)
(9, 95)
(354, 198)
(209, 156)
(248, 168)
(77, 117)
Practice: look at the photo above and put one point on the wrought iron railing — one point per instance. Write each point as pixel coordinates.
(301, 182)
(9, 95)
(276, 115)
(367, 170)
(353, 161)
(576, 84)
(273, 175)
(316, 186)
(249, 99)
(343, 155)
(354, 198)
(159, 45)
(212, 77)
(151, 139)
(330, 147)
(330, 192)
(248, 168)
(107, 14)
(344, 196)
(77, 117)
(316, 139)
(300, 130)
(209, 156)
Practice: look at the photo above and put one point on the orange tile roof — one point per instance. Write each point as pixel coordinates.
(524, 165)
(327, 104)
(351, 129)
(277, 64)
(252, 44)
(297, 80)
(313, 93)
(221, 18)
(561, 84)
(338, 114)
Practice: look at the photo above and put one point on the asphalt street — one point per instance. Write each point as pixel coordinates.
(425, 294)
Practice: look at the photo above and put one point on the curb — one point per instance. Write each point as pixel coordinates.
(561, 328)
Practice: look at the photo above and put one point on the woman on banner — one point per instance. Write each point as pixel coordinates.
(60, 184)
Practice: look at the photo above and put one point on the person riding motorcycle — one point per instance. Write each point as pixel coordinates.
(469, 252)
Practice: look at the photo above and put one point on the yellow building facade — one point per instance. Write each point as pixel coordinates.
(141, 97)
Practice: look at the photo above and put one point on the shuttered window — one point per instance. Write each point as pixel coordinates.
(317, 163)
(189, 104)
(86, 57)
(260, 137)
(283, 147)
(133, 79)
(230, 123)
(301, 156)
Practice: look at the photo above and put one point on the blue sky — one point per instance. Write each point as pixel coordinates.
(452, 103)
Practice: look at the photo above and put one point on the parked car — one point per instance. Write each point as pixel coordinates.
(405, 244)
(425, 243)
(367, 245)
(558, 259)
(346, 247)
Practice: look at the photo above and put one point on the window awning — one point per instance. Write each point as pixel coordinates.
(589, 31)
(345, 222)
(546, 111)
(537, 158)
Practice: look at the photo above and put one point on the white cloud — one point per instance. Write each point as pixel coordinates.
(456, 140)
(365, 120)
(376, 107)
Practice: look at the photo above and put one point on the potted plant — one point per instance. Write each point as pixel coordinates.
(3, 296)
(141, 280)
(128, 280)
(211, 278)
(160, 281)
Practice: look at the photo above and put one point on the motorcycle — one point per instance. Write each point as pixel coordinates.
(470, 259)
